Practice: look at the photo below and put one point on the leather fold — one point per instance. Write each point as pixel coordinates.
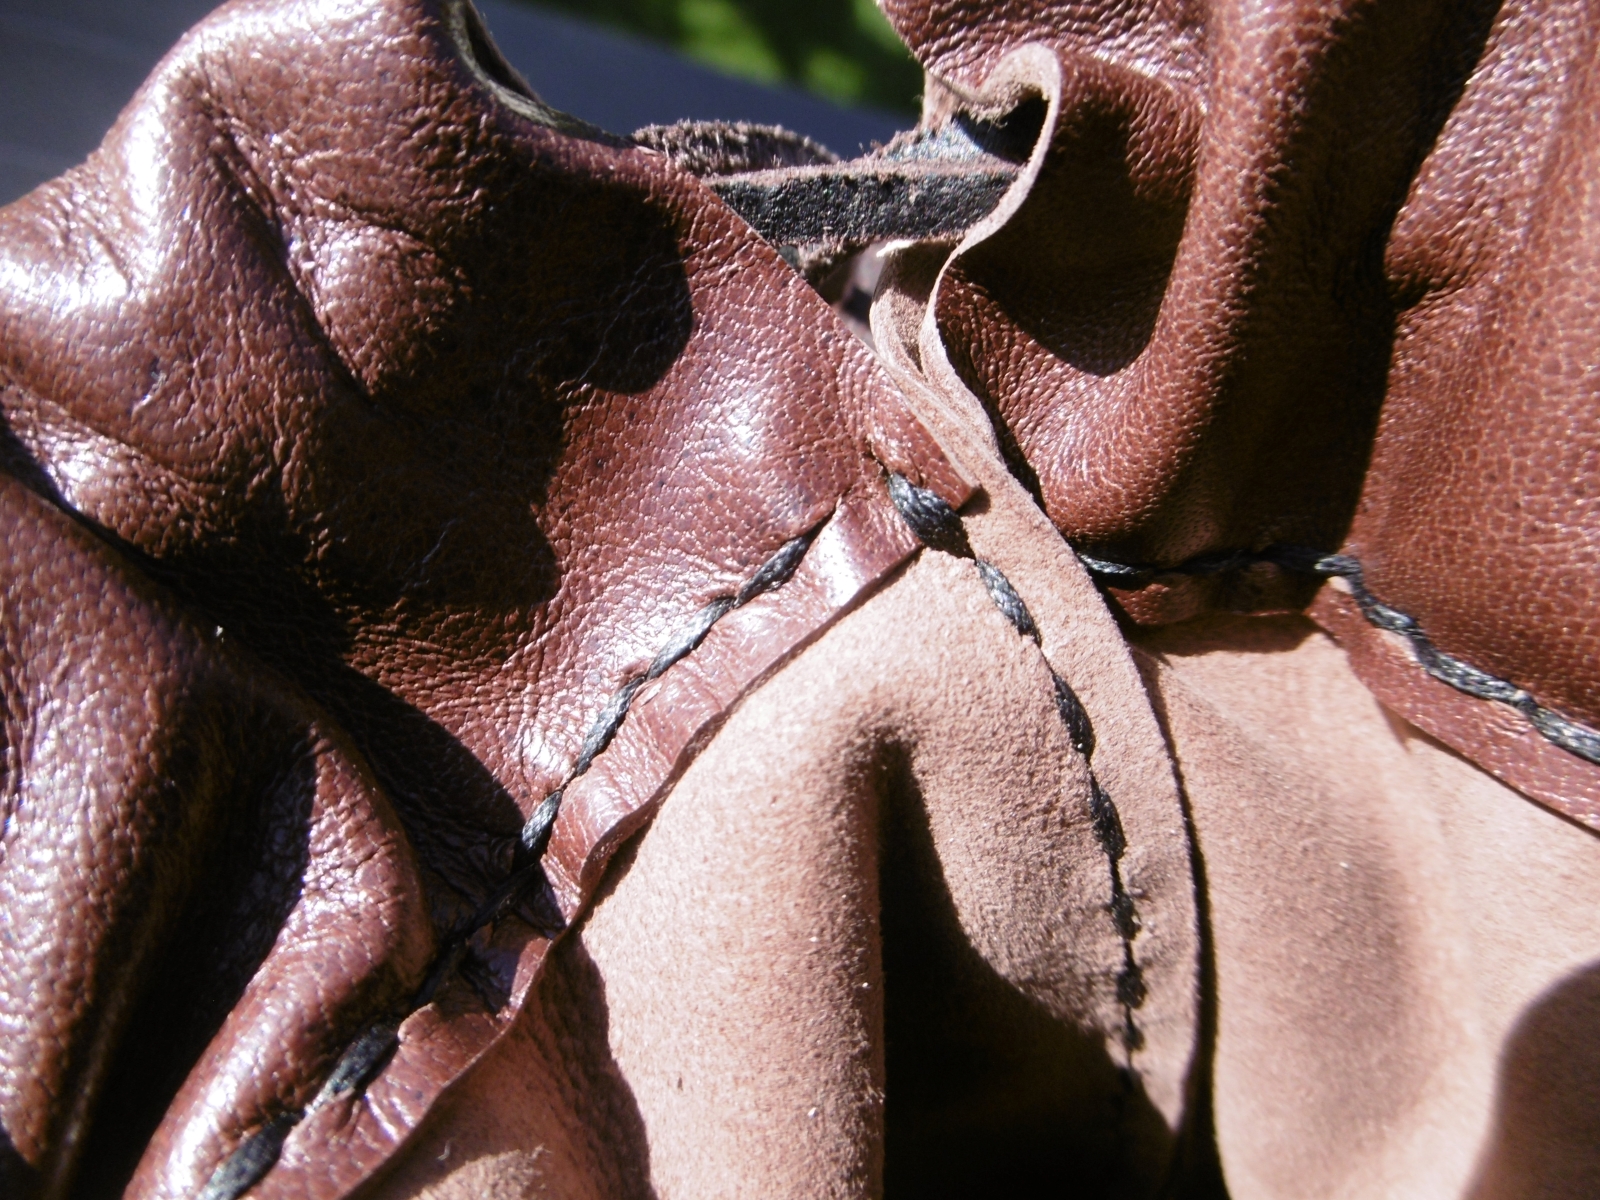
(1221, 337)
(453, 412)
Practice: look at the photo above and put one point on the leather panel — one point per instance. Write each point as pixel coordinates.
(1288, 279)
(453, 411)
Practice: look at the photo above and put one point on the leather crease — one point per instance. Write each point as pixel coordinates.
(1206, 323)
(451, 412)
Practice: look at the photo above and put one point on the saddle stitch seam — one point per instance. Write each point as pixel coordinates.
(364, 1059)
(939, 527)
(1551, 724)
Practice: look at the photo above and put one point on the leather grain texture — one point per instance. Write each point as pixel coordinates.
(1481, 512)
(182, 832)
(372, 436)
(1313, 274)
(448, 412)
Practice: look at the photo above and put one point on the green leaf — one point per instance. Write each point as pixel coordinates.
(718, 34)
(844, 50)
(831, 74)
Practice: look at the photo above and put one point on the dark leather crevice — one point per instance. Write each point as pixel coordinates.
(986, 1092)
(454, 425)
(221, 941)
(1053, 321)
(1196, 1172)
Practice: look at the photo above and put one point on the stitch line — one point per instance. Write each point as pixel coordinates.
(253, 1159)
(939, 527)
(1553, 725)
(366, 1057)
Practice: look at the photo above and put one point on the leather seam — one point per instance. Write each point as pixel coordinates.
(365, 1057)
(1553, 725)
(939, 527)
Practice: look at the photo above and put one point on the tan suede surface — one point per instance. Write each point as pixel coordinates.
(1406, 951)
(1404, 966)
(903, 793)
(1403, 952)
(410, 495)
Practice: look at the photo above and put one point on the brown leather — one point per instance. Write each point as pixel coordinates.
(1185, 338)
(1481, 513)
(1405, 950)
(181, 833)
(1493, 736)
(448, 410)
(1249, 230)
(367, 425)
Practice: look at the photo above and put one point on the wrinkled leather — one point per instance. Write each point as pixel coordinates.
(367, 424)
(1480, 516)
(182, 830)
(447, 412)
(1304, 274)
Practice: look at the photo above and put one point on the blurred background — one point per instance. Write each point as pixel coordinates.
(843, 50)
(830, 69)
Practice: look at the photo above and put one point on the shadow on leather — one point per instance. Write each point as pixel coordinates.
(988, 1094)
(457, 815)
(1210, 344)
(17, 1178)
(574, 1011)
(547, 1103)
(1547, 1108)
(1083, 265)
(249, 883)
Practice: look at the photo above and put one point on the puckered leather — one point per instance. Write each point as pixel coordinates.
(1293, 278)
(370, 428)
(448, 412)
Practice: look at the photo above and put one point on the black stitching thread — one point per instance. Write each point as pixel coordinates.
(251, 1160)
(1554, 726)
(1074, 717)
(773, 573)
(1007, 601)
(939, 527)
(362, 1061)
(1131, 991)
(1138, 575)
(934, 522)
(364, 1058)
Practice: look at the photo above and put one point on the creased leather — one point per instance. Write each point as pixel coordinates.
(1481, 513)
(182, 830)
(447, 410)
(1308, 274)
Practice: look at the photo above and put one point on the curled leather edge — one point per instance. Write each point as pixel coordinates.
(344, 1143)
(1031, 69)
(1136, 764)
(905, 325)
(1493, 737)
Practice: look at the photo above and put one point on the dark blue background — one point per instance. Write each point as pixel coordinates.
(68, 66)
